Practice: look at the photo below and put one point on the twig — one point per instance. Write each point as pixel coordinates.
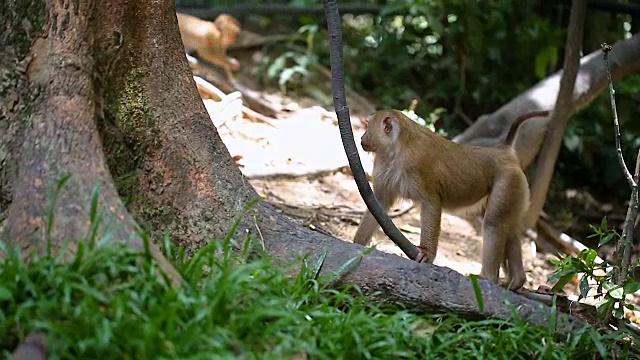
(612, 94)
(623, 250)
(255, 223)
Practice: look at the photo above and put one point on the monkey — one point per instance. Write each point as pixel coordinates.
(415, 163)
(210, 40)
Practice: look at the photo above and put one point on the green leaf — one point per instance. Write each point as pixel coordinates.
(546, 57)
(584, 286)
(617, 293)
(607, 238)
(562, 282)
(562, 273)
(5, 294)
(319, 265)
(599, 345)
(631, 287)
(608, 285)
(477, 291)
(618, 313)
(603, 224)
(590, 257)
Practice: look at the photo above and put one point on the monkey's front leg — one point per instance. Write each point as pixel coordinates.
(368, 224)
(430, 215)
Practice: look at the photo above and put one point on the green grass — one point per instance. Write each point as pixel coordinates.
(107, 303)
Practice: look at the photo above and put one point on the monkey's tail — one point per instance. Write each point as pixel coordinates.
(513, 130)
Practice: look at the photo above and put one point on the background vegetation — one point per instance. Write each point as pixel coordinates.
(462, 59)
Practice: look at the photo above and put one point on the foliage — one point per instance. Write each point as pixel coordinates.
(291, 68)
(429, 122)
(590, 155)
(450, 54)
(612, 296)
(108, 303)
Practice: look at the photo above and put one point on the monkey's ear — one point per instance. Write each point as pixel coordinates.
(387, 125)
(391, 128)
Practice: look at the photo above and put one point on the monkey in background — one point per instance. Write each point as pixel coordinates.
(210, 40)
(413, 162)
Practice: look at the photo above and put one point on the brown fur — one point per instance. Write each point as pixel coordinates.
(210, 40)
(413, 162)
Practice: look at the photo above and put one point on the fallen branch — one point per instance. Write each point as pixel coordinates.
(489, 129)
(227, 86)
(208, 90)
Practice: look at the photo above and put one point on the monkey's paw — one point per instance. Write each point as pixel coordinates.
(424, 256)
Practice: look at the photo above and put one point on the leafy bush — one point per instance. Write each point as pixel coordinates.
(612, 297)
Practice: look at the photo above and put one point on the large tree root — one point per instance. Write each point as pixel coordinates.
(389, 278)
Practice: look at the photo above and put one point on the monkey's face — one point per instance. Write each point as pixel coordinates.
(229, 28)
(365, 142)
(382, 132)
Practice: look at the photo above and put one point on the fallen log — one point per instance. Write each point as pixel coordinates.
(590, 82)
(392, 279)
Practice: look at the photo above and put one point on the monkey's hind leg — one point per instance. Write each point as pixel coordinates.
(514, 267)
(501, 220)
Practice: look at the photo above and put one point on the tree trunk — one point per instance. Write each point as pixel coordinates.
(52, 97)
(104, 93)
(561, 114)
(591, 80)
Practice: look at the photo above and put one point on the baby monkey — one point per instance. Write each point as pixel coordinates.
(415, 163)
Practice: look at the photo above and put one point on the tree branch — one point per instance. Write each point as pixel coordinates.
(346, 133)
(561, 113)
(275, 9)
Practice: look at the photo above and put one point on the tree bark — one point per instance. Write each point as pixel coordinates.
(561, 113)
(103, 92)
(173, 166)
(590, 81)
(53, 107)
